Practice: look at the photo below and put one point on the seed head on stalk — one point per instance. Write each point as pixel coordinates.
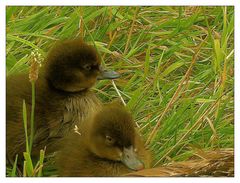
(35, 63)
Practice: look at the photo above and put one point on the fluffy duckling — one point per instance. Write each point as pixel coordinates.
(105, 145)
(63, 98)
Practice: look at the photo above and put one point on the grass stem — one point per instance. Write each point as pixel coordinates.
(32, 116)
(25, 125)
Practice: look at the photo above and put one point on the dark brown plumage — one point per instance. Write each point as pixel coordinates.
(63, 98)
(109, 145)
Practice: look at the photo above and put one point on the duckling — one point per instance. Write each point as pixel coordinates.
(63, 96)
(107, 144)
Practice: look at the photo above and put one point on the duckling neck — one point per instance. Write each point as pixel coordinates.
(80, 107)
(103, 167)
(61, 91)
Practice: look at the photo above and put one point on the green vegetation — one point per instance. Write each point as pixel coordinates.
(177, 66)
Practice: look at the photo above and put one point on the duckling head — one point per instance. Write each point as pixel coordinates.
(112, 137)
(73, 66)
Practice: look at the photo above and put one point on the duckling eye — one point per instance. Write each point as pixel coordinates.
(87, 67)
(109, 140)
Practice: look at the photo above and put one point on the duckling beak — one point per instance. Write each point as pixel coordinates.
(131, 160)
(107, 74)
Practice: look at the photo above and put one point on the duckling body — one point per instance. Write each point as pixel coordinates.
(63, 97)
(55, 115)
(109, 145)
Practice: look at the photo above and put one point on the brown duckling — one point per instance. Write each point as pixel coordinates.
(107, 144)
(63, 98)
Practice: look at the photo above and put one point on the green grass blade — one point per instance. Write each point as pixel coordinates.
(41, 159)
(13, 173)
(25, 125)
(32, 116)
(171, 68)
(28, 165)
(146, 63)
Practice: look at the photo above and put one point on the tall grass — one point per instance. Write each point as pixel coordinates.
(177, 66)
